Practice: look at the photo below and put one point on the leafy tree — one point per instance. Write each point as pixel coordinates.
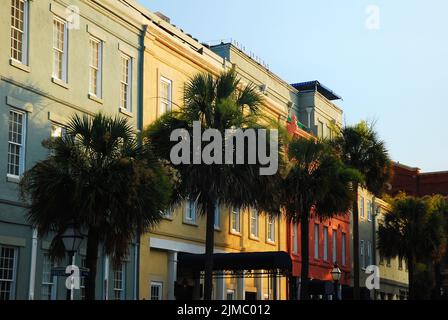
(413, 230)
(317, 184)
(98, 177)
(360, 148)
(219, 103)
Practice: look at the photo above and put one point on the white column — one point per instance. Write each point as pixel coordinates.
(259, 285)
(106, 278)
(220, 287)
(241, 292)
(33, 265)
(309, 110)
(172, 273)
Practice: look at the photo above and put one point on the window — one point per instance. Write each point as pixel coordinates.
(369, 253)
(48, 283)
(165, 96)
(58, 131)
(118, 282)
(316, 241)
(362, 255)
(294, 238)
(320, 129)
(60, 49)
(16, 139)
(369, 210)
(271, 229)
(190, 212)
(217, 217)
(8, 267)
(325, 243)
(334, 239)
(95, 67)
(230, 295)
(126, 76)
(343, 243)
(82, 280)
(254, 223)
(361, 210)
(235, 220)
(19, 30)
(156, 290)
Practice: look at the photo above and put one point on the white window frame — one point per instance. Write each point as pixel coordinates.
(13, 281)
(191, 207)
(343, 249)
(52, 285)
(369, 210)
(128, 83)
(362, 257)
(294, 238)
(22, 145)
(325, 234)
(24, 32)
(64, 50)
(159, 286)
(361, 209)
(120, 290)
(369, 253)
(217, 219)
(254, 224)
(334, 241)
(232, 293)
(168, 102)
(270, 229)
(82, 280)
(235, 221)
(316, 241)
(99, 68)
(57, 130)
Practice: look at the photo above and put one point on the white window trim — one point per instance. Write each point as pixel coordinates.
(255, 236)
(191, 220)
(128, 107)
(334, 245)
(369, 210)
(121, 290)
(14, 177)
(217, 224)
(270, 228)
(294, 239)
(99, 80)
(238, 224)
(316, 241)
(170, 95)
(343, 249)
(52, 284)
(325, 236)
(159, 285)
(65, 53)
(14, 272)
(25, 58)
(231, 292)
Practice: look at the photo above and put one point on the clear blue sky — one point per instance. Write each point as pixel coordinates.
(397, 75)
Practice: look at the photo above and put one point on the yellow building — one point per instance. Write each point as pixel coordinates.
(171, 57)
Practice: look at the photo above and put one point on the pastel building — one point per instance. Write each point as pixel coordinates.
(56, 61)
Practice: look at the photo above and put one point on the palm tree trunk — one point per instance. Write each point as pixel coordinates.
(91, 262)
(356, 287)
(209, 248)
(304, 234)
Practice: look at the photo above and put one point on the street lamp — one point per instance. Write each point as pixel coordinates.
(336, 274)
(72, 239)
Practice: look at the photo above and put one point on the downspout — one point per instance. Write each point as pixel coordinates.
(141, 77)
(374, 209)
(33, 265)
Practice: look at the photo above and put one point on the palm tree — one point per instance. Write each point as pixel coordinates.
(100, 178)
(360, 148)
(217, 103)
(317, 184)
(413, 230)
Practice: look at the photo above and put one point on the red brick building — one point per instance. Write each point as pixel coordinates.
(414, 182)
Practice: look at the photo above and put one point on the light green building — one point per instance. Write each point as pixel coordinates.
(58, 58)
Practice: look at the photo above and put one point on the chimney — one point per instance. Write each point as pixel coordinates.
(163, 17)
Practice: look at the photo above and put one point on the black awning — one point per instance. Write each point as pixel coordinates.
(238, 261)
